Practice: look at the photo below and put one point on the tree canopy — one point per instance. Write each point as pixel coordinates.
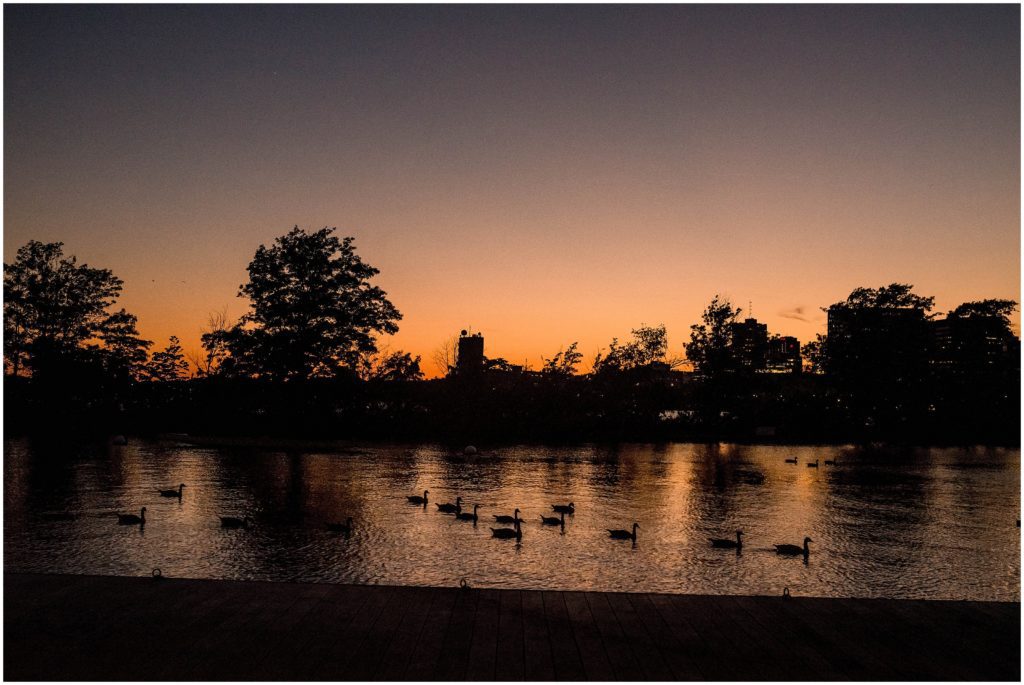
(168, 364)
(892, 296)
(313, 311)
(710, 346)
(564, 363)
(56, 312)
(649, 345)
(986, 309)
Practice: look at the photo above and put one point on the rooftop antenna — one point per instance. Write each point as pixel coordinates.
(750, 309)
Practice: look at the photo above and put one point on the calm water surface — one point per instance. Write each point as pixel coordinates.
(927, 523)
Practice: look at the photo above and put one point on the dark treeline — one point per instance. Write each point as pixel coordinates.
(304, 361)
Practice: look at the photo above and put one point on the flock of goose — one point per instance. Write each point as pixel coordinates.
(516, 532)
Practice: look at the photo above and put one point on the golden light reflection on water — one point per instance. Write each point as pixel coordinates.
(917, 523)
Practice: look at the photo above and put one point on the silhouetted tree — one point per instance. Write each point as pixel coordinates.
(563, 364)
(814, 353)
(893, 296)
(497, 364)
(999, 310)
(649, 345)
(56, 314)
(168, 364)
(391, 366)
(445, 354)
(710, 346)
(215, 339)
(313, 311)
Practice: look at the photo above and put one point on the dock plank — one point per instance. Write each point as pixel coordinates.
(588, 639)
(510, 660)
(483, 650)
(538, 663)
(622, 659)
(427, 650)
(451, 665)
(564, 653)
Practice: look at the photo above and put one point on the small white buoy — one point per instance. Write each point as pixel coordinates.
(469, 450)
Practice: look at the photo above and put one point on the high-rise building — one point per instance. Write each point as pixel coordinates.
(784, 355)
(890, 341)
(750, 344)
(973, 345)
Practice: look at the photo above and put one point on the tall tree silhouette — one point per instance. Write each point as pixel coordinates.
(649, 345)
(56, 315)
(168, 364)
(313, 311)
(710, 346)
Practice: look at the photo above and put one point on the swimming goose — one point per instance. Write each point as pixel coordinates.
(728, 544)
(416, 499)
(234, 522)
(345, 528)
(794, 549)
(623, 534)
(132, 519)
(466, 516)
(814, 465)
(450, 508)
(508, 533)
(830, 462)
(514, 518)
(552, 520)
(172, 493)
(791, 461)
(569, 508)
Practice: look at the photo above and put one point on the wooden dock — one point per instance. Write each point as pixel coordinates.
(68, 627)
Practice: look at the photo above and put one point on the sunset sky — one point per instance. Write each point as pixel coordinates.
(542, 174)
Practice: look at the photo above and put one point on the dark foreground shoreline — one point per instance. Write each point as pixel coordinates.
(70, 627)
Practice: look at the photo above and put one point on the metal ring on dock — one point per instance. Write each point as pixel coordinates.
(463, 584)
(785, 593)
(157, 575)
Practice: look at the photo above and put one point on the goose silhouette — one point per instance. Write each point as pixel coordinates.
(508, 533)
(831, 462)
(791, 461)
(569, 508)
(416, 499)
(793, 550)
(132, 519)
(172, 493)
(514, 518)
(623, 534)
(728, 544)
(812, 465)
(466, 516)
(553, 520)
(449, 508)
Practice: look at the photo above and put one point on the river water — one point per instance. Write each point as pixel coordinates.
(911, 523)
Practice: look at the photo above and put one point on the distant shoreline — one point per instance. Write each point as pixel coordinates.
(353, 445)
